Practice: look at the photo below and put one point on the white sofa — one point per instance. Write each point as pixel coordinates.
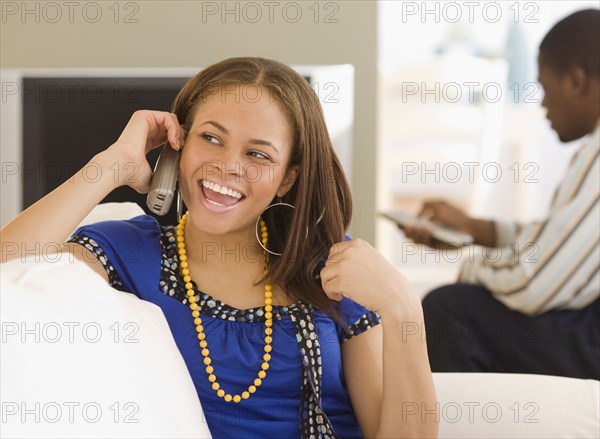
(80, 359)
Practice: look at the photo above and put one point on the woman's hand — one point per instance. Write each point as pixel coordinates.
(358, 271)
(145, 131)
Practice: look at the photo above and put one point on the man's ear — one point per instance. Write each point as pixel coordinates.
(577, 80)
(288, 181)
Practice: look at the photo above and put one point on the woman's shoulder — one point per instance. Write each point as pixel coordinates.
(138, 236)
(138, 224)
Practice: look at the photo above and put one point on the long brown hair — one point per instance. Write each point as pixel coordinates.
(321, 194)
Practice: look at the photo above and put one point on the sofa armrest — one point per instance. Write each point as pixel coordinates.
(493, 405)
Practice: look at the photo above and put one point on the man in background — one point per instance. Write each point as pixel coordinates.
(536, 308)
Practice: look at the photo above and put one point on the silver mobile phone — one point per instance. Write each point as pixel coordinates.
(164, 180)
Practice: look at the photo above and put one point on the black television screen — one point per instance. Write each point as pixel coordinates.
(66, 121)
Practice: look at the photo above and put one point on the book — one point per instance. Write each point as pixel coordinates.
(441, 233)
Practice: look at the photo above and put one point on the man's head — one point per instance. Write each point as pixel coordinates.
(569, 72)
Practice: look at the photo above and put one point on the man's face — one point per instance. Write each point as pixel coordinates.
(561, 102)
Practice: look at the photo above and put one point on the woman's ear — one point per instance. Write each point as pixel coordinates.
(288, 181)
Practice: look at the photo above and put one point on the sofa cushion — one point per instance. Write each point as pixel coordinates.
(81, 359)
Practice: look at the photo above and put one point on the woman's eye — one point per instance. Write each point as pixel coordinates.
(259, 155)
(211, 138)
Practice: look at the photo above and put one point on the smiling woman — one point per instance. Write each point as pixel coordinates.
(294, 341)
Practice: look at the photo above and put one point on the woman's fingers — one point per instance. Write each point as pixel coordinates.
(163, 126)
(175, 133)
(330, 279)
(145, 131)
(330, 282)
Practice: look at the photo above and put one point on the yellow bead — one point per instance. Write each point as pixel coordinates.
(182, 251)
(262, 374)
(251, 389)
(205, 352)
(221, 393)
(215, 386)
(185, 272)
(209, 369)
(268, 294)
(183, 264)
(245, 395)
(268, 301)
(228, 397)
(267, 357)
(179, 232)
(187, 278)
(183, 258)
(257, 382)
(268, 339)
(203, 344)
(197, 321)
(200, 328)
(268, 316)
(268, 287)
(268, 323)
(268, 348)
(190, 292)
(195, 314)
(192, 299)
(201, 336)
(180, 240)
(207, 361)
(188, 286)
(265, 366)
(268, 308)
(212, 378)
(237, 398)
(194, 306)
(268, 331)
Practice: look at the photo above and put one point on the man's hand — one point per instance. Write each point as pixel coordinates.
(442, 213)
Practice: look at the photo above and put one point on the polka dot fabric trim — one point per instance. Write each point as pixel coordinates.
(366, 322)
(313, 420)
(91, 245)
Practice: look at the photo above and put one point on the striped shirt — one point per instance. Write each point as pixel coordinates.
(554, 263)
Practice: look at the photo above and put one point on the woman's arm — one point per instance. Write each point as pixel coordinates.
(386, 368)
(389, 379)
(43, 227)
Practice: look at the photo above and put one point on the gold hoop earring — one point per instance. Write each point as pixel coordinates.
(279, 203)
(179, 205)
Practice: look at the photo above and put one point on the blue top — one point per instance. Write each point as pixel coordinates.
(140, 257)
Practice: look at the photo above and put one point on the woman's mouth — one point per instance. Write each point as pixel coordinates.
(220, 195)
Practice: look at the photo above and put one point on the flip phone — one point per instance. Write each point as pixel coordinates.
(164, 180)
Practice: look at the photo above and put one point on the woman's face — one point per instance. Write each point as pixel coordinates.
(234, 159)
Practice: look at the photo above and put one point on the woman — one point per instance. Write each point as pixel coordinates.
(296, 333)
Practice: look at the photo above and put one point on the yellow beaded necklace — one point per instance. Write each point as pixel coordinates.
(185, 272)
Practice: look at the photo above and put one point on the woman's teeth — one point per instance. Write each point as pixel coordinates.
(216, 187)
